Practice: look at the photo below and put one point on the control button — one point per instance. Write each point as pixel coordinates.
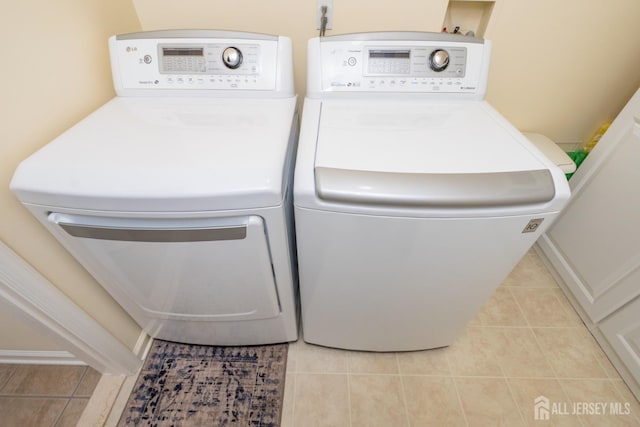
(352, 61)
(438, 60)
(232, 57)
(147, 59)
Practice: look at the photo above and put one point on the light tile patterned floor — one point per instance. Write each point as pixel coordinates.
(526, 342)
(44, 395)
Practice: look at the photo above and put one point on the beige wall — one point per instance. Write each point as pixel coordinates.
(55, 70)
(23, 336)
(564, 67)
(550, 68)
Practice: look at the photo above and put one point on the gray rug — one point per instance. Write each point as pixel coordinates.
(192, 385)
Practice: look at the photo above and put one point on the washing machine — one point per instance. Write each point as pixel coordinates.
(413, 197)
(176, 194)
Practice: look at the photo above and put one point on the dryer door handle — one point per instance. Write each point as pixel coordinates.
(136, 230)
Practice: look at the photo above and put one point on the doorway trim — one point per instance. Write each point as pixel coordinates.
(38, 302)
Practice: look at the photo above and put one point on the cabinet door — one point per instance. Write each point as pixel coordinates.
(622, 330)
(595, 243)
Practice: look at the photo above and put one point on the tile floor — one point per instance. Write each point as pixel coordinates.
(44, 395)
(526, 342)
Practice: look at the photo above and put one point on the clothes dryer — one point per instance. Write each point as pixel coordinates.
(413, 197)
(176, 194)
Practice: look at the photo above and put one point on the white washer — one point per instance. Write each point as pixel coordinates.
(413, 197)
(176, 194)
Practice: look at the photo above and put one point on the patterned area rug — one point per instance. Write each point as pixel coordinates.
(192, 385)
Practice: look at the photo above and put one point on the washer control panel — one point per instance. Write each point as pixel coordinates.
(393, 62)
(417, 62)
(209, 59)
(191, 61)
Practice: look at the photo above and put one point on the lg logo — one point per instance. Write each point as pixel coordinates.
(532, 225)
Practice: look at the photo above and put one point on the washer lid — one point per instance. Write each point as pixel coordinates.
(165, 154)
(425, 154)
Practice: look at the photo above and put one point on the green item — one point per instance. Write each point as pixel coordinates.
(577, 157)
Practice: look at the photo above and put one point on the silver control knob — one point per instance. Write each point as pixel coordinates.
(438, 60)
(232, 57)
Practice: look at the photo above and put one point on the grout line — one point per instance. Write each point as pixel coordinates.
(505, 378)
(524, 327)
(42, 396)
(515, 401)
(535, 337)
(464, 412)
(621, 383)
(349, 398)
(602, 359)
(404, 394)
(528, 287)
(408, 374)
(75, 389)
(455, 387)
(524, 315)
(565, 310)
(59, 417)
(620, 396)
(293, 398)
(566, 395)
(11, 374)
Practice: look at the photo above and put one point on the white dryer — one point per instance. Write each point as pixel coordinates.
(413, 197)
(176, 194)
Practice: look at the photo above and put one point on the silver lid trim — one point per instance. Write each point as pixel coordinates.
(440, 190)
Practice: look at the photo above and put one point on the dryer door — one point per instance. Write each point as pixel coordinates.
(183, 269)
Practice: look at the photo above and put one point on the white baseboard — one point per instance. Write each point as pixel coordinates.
(24, 357)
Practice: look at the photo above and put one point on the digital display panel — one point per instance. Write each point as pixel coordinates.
(387, 62)
(182, 51)
(401, 54)
(181, 59)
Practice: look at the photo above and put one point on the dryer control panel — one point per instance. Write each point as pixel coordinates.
(200, 62)
(420, 63)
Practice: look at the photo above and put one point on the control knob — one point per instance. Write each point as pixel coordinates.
(438, 60)
(232, 57)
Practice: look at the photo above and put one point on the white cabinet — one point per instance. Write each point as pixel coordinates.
(622, 330)
(597, 236)
(594, 245)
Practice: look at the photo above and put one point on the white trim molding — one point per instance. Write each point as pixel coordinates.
(38, 300)
(39, 357)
